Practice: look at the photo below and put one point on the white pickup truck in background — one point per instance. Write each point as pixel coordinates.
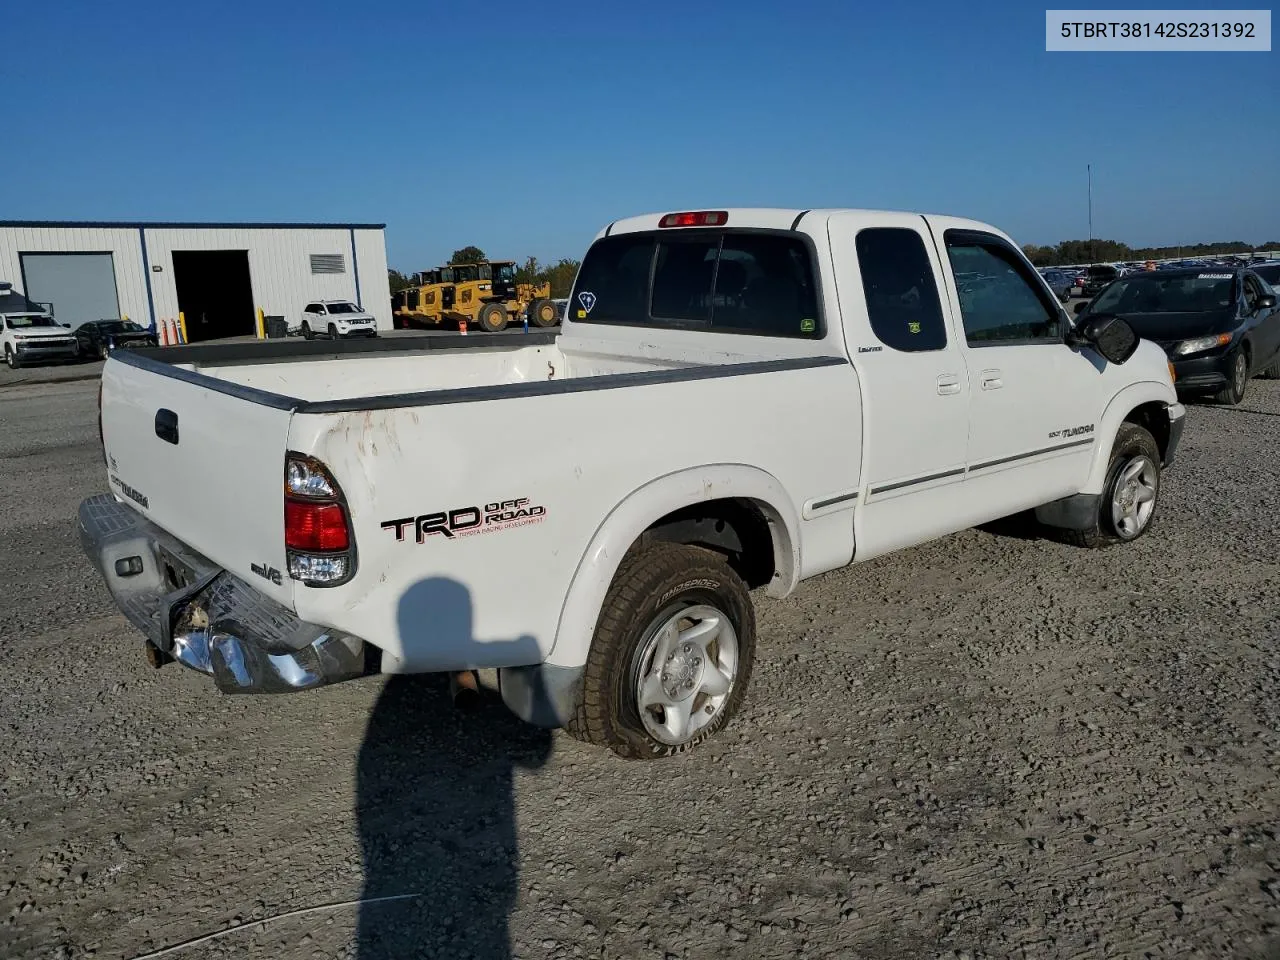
(737, 399)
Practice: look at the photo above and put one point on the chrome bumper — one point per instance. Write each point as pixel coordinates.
(196, 613)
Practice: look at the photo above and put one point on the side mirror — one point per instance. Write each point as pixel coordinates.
(1266, 301)
(1110, 335)
(1079, 308)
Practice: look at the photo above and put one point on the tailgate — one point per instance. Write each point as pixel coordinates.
(206, 466)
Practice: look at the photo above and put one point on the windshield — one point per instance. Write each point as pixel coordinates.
(343, 307)
(1151, 293)
(23, 323)
(507, 272)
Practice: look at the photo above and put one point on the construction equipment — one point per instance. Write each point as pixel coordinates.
(427, 302)
(487, 294)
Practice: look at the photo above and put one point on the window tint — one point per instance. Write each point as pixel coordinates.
(732, 282)
(764, 284)
(998, 303)
(613, 282)
(682, 279)
(902, 296)
(313, 308)
(1269, 273)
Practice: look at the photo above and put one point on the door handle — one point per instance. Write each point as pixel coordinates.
(948, 384)
(991, 380)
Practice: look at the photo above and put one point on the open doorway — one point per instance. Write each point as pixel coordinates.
(214, 293)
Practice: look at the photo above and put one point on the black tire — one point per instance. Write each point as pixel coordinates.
(333, 331)
(544, 313)
(493, 317)
(1237, 383)
(103, 352)
(306, 331)
(1272, 372)
(1131, 441)
(653, 583)
(11, 358)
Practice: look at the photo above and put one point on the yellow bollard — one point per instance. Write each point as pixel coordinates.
(182, 327)
(262, 329)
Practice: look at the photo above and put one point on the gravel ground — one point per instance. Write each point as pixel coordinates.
(990, 746)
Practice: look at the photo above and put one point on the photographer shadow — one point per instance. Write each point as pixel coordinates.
(436, 805)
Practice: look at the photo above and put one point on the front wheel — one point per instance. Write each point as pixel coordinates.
(10, 357)
(672, 654)
(1237, 383)
(333, 331)
(1129, 494)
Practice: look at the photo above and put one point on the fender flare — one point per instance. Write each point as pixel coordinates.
(1122, 404)
(638, 511)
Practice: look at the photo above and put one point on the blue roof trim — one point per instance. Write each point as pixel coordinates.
(190, 225)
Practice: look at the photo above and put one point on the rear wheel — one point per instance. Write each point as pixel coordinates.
(1272, 372)
(1129, 494)
(306, 331)
(493, 317)
(544, 313)
(672, 654)
(1238, 382)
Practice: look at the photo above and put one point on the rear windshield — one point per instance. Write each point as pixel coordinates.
(1152, 293)
(731, 282)
(1102, 271)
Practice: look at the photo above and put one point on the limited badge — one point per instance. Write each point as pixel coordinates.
(587, 299)
(807, 325)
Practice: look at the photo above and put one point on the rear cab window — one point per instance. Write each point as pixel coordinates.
(755, 282)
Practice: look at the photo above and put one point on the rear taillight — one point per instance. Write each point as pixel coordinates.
(317, 525)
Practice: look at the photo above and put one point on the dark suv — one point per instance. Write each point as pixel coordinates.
(1095, 278)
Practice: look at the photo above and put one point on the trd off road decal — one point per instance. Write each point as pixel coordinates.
(1071, 431)
(467, 521)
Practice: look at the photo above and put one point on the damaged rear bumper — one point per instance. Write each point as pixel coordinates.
(192, 611)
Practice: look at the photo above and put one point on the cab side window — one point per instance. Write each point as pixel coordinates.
(901, 294)
(1000, 304)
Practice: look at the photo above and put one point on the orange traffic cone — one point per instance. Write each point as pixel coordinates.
(462, 327)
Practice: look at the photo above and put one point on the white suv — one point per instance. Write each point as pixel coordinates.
(334, 319)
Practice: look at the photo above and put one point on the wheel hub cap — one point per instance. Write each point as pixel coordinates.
(684, 672)
(1134, 498)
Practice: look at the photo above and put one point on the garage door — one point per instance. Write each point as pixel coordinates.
(81, 286)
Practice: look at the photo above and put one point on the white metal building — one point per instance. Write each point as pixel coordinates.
(217, 274)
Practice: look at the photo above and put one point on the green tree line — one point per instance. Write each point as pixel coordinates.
(1109, 251)
(560, 274)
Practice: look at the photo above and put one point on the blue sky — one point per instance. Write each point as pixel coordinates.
(524, 128)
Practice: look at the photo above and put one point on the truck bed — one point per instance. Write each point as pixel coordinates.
(319, 376)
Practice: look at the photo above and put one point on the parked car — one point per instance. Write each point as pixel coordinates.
(736, 399)
(1097, 277)
(27, 336)
(1269, 271)
(1219, 328)
(335, 319)
(1060, 282)
(97, 338)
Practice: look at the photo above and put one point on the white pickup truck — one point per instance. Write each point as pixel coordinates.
(737, 399)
